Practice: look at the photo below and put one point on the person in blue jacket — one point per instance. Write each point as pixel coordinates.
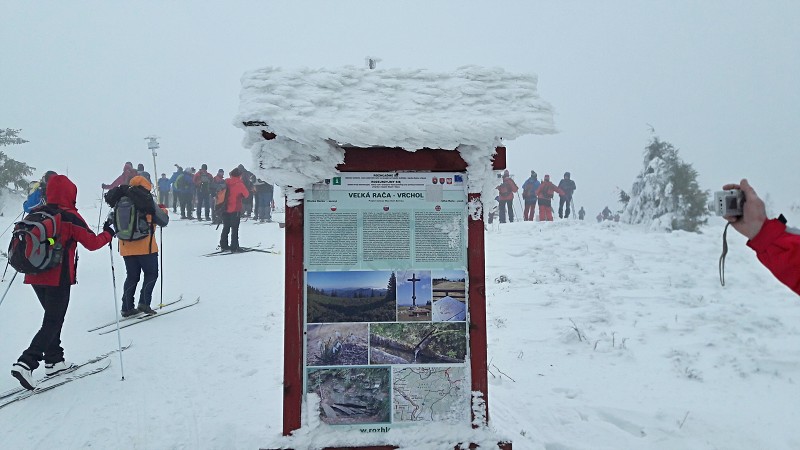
(36, 194)
(164, 185)
(529, 188)
(175, 175)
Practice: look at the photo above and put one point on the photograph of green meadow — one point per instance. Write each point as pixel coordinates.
(357, 296)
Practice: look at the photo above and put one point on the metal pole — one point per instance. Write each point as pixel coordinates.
(9, 287)
(12, 223)
(100, 215)
(161, 265)
(116, 309)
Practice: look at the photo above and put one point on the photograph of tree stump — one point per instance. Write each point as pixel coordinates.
(337, 344)
(352, 395)
(417, 343)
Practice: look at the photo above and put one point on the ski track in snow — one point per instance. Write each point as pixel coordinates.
(615, 338)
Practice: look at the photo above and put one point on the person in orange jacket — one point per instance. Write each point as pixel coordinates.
(776, 246)
(231, 218)
(506, 189)
(545, 196)
(141, 256)
(53, 286)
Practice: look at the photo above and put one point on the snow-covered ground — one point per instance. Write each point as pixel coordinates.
(601, 336)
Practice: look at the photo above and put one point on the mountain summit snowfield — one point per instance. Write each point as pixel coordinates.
(601, 336)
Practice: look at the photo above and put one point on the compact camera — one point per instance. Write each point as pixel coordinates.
(727, 203)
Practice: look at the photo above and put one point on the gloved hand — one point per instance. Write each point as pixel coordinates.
(108, 226)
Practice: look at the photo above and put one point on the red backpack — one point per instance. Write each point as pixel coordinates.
(35, 243)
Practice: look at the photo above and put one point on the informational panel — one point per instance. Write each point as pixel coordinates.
(386, 339)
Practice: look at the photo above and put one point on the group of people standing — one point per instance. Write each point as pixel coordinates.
(535, 192)
(192, 189)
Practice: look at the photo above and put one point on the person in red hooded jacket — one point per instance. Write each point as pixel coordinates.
(236, 191)
(545, 197)
(776, 247)
(128, 172)
(52, 287)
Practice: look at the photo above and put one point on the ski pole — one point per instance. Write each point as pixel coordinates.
(114, 284)
(9, 287)
(161, 265)
(100, 216)
(13, 222)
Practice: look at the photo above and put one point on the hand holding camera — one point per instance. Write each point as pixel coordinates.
(740, 205)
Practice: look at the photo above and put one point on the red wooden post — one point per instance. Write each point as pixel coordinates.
(476, 269)
(293, 321)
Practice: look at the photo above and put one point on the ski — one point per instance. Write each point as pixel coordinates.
(146, 318)
(122, 319)
(75, 367)
(64, 381)
(228, 252)
(261, 250)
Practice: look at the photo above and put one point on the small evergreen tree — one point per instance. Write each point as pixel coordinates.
(11, 171)
(391, 294)
(666, 195)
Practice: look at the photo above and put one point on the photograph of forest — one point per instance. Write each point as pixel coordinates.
(351, 296)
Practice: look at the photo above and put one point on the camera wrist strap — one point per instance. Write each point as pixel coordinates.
(724, 252)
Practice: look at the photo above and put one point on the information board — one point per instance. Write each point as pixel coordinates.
(386, 304)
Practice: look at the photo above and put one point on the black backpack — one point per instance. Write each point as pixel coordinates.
(35, 245)
(131, 204)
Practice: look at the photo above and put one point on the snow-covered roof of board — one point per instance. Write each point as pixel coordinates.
(404, 108)
(313, 113)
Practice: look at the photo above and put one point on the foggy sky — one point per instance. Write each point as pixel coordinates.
(87, 81)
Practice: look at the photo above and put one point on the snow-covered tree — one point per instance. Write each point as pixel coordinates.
(12, 171)
(666, 195)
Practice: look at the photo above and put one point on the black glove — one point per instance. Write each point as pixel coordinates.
(107, 226)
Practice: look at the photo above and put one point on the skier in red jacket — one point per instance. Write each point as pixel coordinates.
(545, 196)
(233, 210)
(506, 190)
(52, 287)
(776, 247)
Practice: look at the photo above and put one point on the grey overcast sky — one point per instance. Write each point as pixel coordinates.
(88, 80)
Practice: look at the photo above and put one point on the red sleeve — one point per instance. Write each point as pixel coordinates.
(88, 239)
(779, 251)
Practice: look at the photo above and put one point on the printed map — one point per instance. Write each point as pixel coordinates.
(433, 394)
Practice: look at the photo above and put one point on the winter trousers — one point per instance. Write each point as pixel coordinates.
(545, 210)
(163, 197)
(186, 205)
(530, 207)
(175, 197)
(562, 200)
(506, 204)
(203, 202)
(134, 266)
(230, 224)
(46, 344)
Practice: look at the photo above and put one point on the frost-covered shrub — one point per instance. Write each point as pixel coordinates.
(666, 195)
